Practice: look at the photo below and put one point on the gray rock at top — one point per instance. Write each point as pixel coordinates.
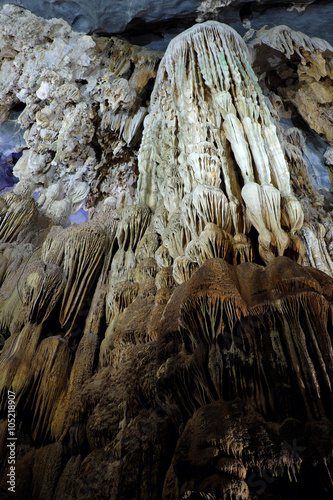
(113, 16)
(108, 15)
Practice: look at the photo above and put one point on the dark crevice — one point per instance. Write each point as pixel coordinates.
(97, 148)
(139, 32)
(131, 69)
(147, 91)
(18, 107)
(81, 82)
(245, 11)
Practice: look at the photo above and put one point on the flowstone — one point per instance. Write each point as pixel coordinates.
(210, 148)
(168, 347)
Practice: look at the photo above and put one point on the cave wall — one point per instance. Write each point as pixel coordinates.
(178, 343)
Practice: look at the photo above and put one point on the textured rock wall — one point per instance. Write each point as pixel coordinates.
(84, 101)
(178, 344)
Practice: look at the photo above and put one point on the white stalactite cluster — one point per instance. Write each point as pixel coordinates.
(289, 42)
(211, 167)
(210, 153)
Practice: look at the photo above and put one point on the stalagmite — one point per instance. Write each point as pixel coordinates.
(18, 214)
(215, 86)
(41, 287)
(120, 297)
(175, 236)
(134, 222)
(242, 249)
(217, 315)
(178, 343)
(163, 257)
(183, 269)
(315, 246)
(147, 246)
(164, 278)
(195, 251)
(212, 243)
(80, 250)
(253, 197)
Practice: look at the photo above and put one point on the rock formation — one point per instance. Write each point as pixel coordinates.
(177, 344)
(84, 105)
(310, 75)
(218, 158)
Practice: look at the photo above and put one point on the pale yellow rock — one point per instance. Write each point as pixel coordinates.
(163, 257)
(315, 247)
(208, 135)
(288, 41)
(53, 203)
(41, 287)
(176, 236)
(183, 269)
(119, 297)
(308, 80)
(164, 278)
(133, 224)
(18, 213)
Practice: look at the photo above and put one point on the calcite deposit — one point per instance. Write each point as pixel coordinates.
(309, 75)
(177, 344)
(85, 100)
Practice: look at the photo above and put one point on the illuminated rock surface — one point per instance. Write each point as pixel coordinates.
(178, 343)
(84, 104)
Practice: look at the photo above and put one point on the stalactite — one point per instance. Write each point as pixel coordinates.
(216, 87)
(174, 339)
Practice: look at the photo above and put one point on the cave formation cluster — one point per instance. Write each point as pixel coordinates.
(178, 343)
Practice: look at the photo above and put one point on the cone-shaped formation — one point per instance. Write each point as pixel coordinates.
(150, 352)
(42, 285)
(210, 148)
(80, 249)
(226, 317)
(17, 214)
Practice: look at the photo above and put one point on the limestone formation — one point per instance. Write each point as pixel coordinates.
(84, 106)
(217, 158)
(177, 344)
(328, 158)
(297, 73)
(309, 75)
(18, 214)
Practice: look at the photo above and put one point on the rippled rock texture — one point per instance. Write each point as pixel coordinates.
(178, 343)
